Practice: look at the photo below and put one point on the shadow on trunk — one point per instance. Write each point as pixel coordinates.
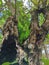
(8, 50)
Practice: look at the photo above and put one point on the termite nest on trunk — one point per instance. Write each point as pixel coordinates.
(10, 35)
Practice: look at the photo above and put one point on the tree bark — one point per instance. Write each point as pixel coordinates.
(35, 57)
(9, 4)
(46, 23)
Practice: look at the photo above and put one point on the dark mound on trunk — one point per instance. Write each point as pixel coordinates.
(8, 50)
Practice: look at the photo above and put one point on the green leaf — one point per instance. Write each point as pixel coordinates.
(47, 2)
(35, 2)
(45, 61)
(6, 63)
(41, 19)
(0, 2)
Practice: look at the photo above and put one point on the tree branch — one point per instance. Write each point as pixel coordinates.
(46, 23)
(9, 4)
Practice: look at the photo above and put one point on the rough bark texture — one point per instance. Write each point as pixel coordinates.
(46, 23)
(10, 35)
(9, 4)
(34, 41)
(32, 46)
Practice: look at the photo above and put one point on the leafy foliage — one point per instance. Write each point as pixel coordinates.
(41, 19)
(23, 26)
(46, 41)
(45, 61)
(6, 63)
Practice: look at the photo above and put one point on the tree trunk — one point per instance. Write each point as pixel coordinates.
(35, 57)
(35, 40)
